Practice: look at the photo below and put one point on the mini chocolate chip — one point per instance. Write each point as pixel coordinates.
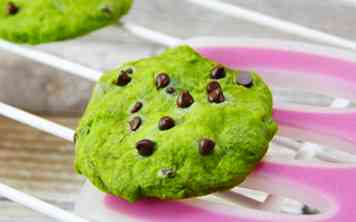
(184, 99)
(11, 8)
(135, 123)
(145, 147)
(218, 72)
(123, 79)
(213, 86)
(166, 123)
(244, 79)
(137, 107)
(216, 96)
(167, 172)
(170, 90)
(206, 146)
(162, 80)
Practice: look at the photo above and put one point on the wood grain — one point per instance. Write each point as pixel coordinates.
(39, 164)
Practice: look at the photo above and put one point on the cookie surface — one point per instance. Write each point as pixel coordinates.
(40, 21)
(173, 126)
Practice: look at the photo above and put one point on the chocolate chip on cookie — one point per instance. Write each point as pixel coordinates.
(162, 80)
(11, 8)
(213, 86)
(135, 123)
(184, 99)
(166, 123)
(216, 96)
(206, 146)
(137, 107)
(145, 147)
(218, 72)
(123, 79)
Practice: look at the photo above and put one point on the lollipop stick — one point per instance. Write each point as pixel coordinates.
(36, 122)
(75, 68)
(275, 23)
(51, 60)
(151, 35)
(38, 205)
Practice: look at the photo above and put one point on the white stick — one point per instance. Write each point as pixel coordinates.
(36, 122)
(38, 205)
(238, 198)
(274, 23)
(77, 69)
(50, 60)
(151, 35)
(340, 103)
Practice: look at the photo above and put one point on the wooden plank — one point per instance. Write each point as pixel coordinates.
(39, 164)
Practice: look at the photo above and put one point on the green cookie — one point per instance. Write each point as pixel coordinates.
(173, 126)
(41, 21)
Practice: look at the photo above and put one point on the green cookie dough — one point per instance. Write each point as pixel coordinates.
(240, 125)
(41, 21)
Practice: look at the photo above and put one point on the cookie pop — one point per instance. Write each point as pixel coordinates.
(205, 137)
(35, 22)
